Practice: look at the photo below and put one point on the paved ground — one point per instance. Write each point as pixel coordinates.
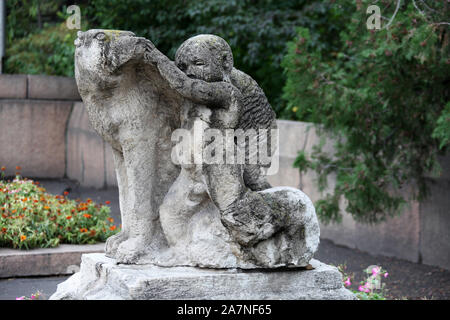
(406, 279)
(10, 289)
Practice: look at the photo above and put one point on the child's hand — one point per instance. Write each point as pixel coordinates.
(151, 54)
(141, 47)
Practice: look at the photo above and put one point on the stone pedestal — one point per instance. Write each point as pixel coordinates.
(100, 278)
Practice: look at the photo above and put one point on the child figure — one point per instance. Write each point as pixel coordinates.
(221, 97)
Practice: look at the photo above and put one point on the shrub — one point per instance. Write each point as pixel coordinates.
(257, 31)
(383, 95)
(31, 218)
(49, 51)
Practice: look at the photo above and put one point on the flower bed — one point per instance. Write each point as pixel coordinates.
(32, 218)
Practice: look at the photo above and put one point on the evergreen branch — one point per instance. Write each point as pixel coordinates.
(418, 9)
(426, 6)
(395, 13)
(439, 23)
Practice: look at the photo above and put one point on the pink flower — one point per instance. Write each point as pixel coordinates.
(347, 282)
(365, 287)
(20, 298)
(386, 275)
(375, 271)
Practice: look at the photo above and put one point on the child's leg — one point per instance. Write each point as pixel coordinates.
(181, 202)
(254, 178)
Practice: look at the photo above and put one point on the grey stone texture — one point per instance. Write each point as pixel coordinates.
(85, 151)
(434, 236)
(134, 110)
(36, 131)
(41, 87)
(52, 87)
(100, 278)
(13, 86)
(212, 215)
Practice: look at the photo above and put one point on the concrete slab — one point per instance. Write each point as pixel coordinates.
(287, 175)
(32, 136)
(64, 259)
(100, 278)
(85, 150)
(435, 225)
(52, 87)
(13, 86)
(293, 137)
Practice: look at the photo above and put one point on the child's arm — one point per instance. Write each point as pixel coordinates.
(216, 94)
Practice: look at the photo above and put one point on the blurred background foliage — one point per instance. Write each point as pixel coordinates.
(382, 94)
(257, 31)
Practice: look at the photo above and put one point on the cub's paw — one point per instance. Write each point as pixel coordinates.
(131, 250)
(113, 242)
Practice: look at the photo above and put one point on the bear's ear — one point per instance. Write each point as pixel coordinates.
(227, 61)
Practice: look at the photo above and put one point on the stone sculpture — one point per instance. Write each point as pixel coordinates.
(270, 228)
(179, 214)
(132, 108)
(216, 215)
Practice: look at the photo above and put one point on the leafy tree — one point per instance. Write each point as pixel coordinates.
(38, 41)
(384, 98)
(257, 31)
(49, 51)
(25, 17)
(382, 94)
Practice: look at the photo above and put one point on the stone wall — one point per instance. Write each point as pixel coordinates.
(44, 129)
(34, 113)
(89, 158)
(419, 234)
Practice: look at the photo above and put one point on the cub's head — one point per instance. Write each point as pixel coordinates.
(100, 54)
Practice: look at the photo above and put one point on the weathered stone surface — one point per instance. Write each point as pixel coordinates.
(13, 86)
(52, 88)
(134, 110)
(32, 135)
(214, 215)
(110, 173)
(197, 236)
(100, 278)
(267, 226)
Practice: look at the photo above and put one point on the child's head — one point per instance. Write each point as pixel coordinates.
(205, 57)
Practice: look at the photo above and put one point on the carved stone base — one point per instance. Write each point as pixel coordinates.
(101, 279)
